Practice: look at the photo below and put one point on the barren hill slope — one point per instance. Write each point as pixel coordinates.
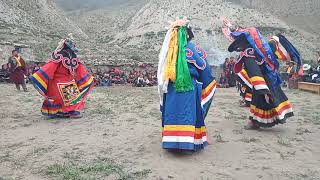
(35, 23)
(147, 29)
(134, 29)
(102, 20)
(302, 14)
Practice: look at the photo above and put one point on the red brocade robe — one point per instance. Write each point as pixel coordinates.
(64, 83)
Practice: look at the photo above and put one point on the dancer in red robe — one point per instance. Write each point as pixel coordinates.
(63, 82)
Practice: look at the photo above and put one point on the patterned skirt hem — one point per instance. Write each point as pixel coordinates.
(60, 114)
(184, 146)
(276, 122)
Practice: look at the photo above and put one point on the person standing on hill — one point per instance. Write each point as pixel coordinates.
(17, 68)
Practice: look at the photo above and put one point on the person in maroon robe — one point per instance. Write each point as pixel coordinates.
(17, 68)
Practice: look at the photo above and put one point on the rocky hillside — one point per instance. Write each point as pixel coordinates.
(135, 29)
(108, 30)
(147, 28)
(302, 14)
(38, 23)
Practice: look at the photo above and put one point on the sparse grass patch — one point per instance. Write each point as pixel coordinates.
(98, 169)
(155, 114)
(6, 157)
(18, 163)
(137, 175)
(249, 140)
(28, 100)
(284, 142)
(18, 116)
(71, 155)
(102, 110)
(137, 107)
(15, 145)
(132, 119)
(140, 106)
(223, 107)
(309, 174)
(39, 151)
(3, 116)
(219, 138)
(301, 131)
(144, 116)
(311, 115)
(315, 118)
(286, 155)
(237, 131)
(231, 115)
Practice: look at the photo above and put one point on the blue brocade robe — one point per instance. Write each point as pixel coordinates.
(183, 114)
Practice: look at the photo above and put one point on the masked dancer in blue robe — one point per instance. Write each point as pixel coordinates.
(186, 88)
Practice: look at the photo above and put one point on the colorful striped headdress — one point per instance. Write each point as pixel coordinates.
(172, 59)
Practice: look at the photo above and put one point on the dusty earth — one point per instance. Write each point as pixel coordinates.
(120, 133)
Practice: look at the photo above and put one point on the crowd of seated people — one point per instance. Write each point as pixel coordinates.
(116, 76)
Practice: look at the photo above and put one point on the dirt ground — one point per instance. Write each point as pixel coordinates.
(119, 137)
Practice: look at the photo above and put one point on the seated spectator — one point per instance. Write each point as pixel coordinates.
(223, 81)
(315, 75)
(140, 82)
(307, 73)
(4, 73)
(105, 82)
(146, 81)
